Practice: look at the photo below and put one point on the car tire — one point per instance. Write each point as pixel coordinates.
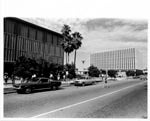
(56, 87)
(83, 84)
(28, 90)
(18, 91)
(51, 87)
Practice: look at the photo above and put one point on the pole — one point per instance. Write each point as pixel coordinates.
(83, 61)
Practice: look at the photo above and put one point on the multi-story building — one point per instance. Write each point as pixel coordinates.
(22, 38)
(125, 59)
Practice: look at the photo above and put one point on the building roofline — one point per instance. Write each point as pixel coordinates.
(32, 24)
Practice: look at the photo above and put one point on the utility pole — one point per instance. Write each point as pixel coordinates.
(83, 61)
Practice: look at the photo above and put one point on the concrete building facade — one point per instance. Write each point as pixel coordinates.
(125, 59)
(22, 38)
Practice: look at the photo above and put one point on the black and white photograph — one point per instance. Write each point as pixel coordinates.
(74, 66)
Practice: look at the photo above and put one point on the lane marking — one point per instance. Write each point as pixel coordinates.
(69, 106)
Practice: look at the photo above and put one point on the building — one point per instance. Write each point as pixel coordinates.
(22, 38)
(125, 59)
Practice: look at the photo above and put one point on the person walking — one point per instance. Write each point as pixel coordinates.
(34, 76)
(105, 81)
(64, 77)
(58, 77)
(51, 76)
(6, 78)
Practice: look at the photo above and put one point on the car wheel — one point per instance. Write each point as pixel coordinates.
(28, 90)
(51, 87)
(83, 84)
(56, 87)
(18, 91)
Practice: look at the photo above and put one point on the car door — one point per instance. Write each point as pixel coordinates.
(44, 83)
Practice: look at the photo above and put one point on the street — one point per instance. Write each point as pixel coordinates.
(122, 99)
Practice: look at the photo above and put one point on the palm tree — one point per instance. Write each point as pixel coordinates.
(67, 41)
(77, 37)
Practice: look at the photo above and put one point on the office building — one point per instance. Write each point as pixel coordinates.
(22, 38)
(125, 59)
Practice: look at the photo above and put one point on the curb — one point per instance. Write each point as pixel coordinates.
(9, 90)
(12, 90)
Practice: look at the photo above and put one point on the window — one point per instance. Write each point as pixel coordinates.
(9, 26)
(39, 35)
(59, 40)
(24, 31)
(55, 39)
(57, 51)
(32, 33)
(44, 80)
(49, 38)
(51, 50)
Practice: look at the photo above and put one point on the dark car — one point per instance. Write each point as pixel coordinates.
(28, 86)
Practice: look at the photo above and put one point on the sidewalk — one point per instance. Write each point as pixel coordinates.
(8, 88)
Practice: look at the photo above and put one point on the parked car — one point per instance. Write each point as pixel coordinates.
(83, 82)
(136, 77)
(143, 77)
(27, 86)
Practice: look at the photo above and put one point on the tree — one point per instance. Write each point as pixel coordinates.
(71, 70)
(25, 67)
(43, 67)
(130, 73)
(112, 73)
(56, 69)
(77, 37)
(93, 71)
(67, 41)
(139, 72)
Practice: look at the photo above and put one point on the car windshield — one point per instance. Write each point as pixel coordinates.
(34, 80)
(30, 80)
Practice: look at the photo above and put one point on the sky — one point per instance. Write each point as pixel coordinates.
(104, 24)
(101, 34)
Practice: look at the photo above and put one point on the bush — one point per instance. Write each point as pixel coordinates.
(93, 71)
(112, 73)
(25, 67)
(130, 73)
(71, 71)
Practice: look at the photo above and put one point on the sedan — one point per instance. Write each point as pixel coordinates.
(83, 82)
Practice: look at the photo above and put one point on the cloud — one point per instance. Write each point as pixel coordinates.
(110, 24)
(101, 34)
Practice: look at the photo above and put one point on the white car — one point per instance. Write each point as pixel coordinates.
(83, 82)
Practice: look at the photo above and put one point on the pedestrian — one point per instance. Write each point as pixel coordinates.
(34, 75)
(51, 76)
(64, 77)
(102, 77)
(5, 78)
(13, 79)
(105, 86)
(58, 77)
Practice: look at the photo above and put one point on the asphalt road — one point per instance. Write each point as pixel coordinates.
(123, 99)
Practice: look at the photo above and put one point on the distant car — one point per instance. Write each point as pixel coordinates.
(83, 82)
(136, 77)
(143, 77)
(36, 83)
